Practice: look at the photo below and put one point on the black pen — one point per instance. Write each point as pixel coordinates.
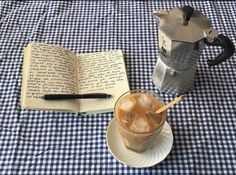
(75, 96)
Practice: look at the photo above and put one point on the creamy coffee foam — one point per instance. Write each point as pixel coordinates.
(131, 112)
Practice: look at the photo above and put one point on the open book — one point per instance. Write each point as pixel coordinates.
(51, 69)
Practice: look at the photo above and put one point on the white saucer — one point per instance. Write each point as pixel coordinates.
(139, 160)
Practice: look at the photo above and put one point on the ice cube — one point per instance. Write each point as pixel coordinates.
(139, 124)
(145, 101)
(127, 104)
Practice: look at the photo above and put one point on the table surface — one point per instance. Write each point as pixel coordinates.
(42, 142)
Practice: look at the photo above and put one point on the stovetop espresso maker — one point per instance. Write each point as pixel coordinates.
(183, 33)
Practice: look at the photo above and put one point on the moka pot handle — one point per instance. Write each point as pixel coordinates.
(226, 44)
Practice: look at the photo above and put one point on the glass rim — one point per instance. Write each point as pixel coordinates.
(141, 90)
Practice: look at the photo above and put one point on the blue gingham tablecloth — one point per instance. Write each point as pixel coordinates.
(41, 142)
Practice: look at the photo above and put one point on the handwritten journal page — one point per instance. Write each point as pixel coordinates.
(101, 72)
(48, 69)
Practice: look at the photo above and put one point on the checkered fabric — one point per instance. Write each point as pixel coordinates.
(41, 142)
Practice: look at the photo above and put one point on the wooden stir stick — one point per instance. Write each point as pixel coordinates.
(176, 100)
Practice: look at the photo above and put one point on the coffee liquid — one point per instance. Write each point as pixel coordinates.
(132, 112)
(137, 128)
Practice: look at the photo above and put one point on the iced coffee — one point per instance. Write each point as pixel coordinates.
(136, 120)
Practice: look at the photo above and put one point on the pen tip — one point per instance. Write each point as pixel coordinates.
(109, 95)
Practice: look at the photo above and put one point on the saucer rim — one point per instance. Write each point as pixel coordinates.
(135, 166)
